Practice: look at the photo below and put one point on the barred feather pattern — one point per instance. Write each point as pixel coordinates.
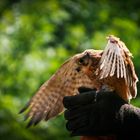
(47, 102)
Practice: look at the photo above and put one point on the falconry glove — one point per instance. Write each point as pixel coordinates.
(101, 114)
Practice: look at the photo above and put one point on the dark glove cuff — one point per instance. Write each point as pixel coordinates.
(129, 117)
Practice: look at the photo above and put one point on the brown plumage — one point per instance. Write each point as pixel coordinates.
(47, 102)
(111, 69)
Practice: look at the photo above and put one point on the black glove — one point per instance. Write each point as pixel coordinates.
(104, 113)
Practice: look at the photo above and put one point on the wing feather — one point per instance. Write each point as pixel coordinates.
(47, 102)
(116, 61)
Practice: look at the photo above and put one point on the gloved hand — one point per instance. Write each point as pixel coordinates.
(91, 113)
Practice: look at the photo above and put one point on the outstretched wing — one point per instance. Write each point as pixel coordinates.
(47, 102)
(116, 61)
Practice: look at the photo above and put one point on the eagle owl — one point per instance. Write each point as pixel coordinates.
(109, 69)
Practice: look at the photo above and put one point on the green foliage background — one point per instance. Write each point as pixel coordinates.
(36, 36)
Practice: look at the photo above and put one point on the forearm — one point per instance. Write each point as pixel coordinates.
(108, 115)
(129, 117)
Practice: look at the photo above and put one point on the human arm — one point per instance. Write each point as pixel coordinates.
(105, 113)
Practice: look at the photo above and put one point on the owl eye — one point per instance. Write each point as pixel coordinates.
(81, 61)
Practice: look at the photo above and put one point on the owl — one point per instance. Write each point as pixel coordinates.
(110, 69)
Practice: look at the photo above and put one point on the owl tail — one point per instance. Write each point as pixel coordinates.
(112, 61)
(116, 61)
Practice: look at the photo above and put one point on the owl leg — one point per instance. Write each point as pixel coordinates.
(105, 88)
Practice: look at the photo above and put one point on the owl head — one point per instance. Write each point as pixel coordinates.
(88, 60)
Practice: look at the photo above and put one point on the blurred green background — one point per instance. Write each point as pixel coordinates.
(36, 36)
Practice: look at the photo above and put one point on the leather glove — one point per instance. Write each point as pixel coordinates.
(91, 113)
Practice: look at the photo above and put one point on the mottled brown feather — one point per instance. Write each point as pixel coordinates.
(47, 102)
